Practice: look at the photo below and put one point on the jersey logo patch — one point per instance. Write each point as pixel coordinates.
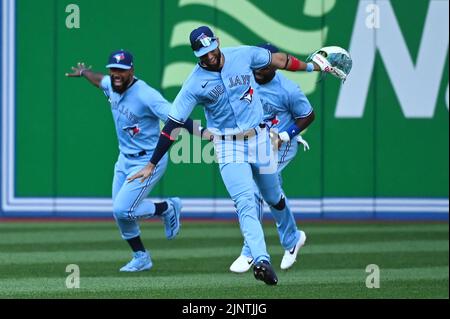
(132, 130)
(248, 95)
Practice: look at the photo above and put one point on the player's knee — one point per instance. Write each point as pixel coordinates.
(120, 212)
(281, 204)
(272, 198)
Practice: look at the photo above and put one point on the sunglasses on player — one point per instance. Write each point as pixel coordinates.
(202, 42)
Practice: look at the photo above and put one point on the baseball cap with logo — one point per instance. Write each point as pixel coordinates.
(120, 59)
(203, 41)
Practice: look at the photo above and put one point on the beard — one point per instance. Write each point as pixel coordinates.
(122, 87)
(216, 64)
(264, 78)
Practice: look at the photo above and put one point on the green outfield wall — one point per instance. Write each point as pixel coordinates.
(381, 134)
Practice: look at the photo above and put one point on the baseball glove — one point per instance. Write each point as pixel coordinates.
(334, 60)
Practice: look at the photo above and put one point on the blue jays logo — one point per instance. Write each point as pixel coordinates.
(119, 57)
(248, 95)
(132, 130)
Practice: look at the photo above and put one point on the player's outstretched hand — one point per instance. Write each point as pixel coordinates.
(334, 60)
(78, 70)
(146, 172)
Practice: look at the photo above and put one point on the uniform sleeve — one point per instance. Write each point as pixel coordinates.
(299, 105)
(105, 85)
(260, 58)
(182, 106)
(158, 105)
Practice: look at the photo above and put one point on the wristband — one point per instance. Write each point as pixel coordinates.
(293, 130)
(295, 64)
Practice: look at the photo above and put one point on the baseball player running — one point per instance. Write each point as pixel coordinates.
(137, 109)
(287, 110)
(223, 83)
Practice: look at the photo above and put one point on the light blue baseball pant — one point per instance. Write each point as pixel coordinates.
(129, 202)
(242, 165)
(286, 226)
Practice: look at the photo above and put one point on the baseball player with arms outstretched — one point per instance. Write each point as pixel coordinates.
(287, 112)
(223, 83)
(137, 109)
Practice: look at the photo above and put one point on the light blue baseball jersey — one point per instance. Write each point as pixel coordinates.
(136, 115)
(230, 101)
(283, 98)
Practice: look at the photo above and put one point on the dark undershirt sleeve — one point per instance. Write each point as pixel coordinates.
(165, 141)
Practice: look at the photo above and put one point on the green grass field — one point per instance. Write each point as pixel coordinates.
(412, 257)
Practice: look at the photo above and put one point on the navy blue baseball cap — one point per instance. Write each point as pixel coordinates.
(203, 41)
(270, 47)
(120, 59)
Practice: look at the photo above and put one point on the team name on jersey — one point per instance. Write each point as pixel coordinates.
(215, 93)
(239, 80)
(122, 109)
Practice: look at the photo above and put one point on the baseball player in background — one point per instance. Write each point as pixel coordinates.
(137, 109)
(223, 83)
(287, 110)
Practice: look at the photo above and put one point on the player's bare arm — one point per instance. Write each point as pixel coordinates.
(81, 70)
(303, 123)
(288, 62)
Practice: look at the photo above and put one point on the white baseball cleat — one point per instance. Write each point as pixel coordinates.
(290, 256)
(241, 264)
(141, 261)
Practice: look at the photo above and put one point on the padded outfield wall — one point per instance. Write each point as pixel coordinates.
(379, 144)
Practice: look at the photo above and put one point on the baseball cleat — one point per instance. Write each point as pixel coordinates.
(141, 261)
(171, 217)
(290, 256)
(241, 264)
(264, 271)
